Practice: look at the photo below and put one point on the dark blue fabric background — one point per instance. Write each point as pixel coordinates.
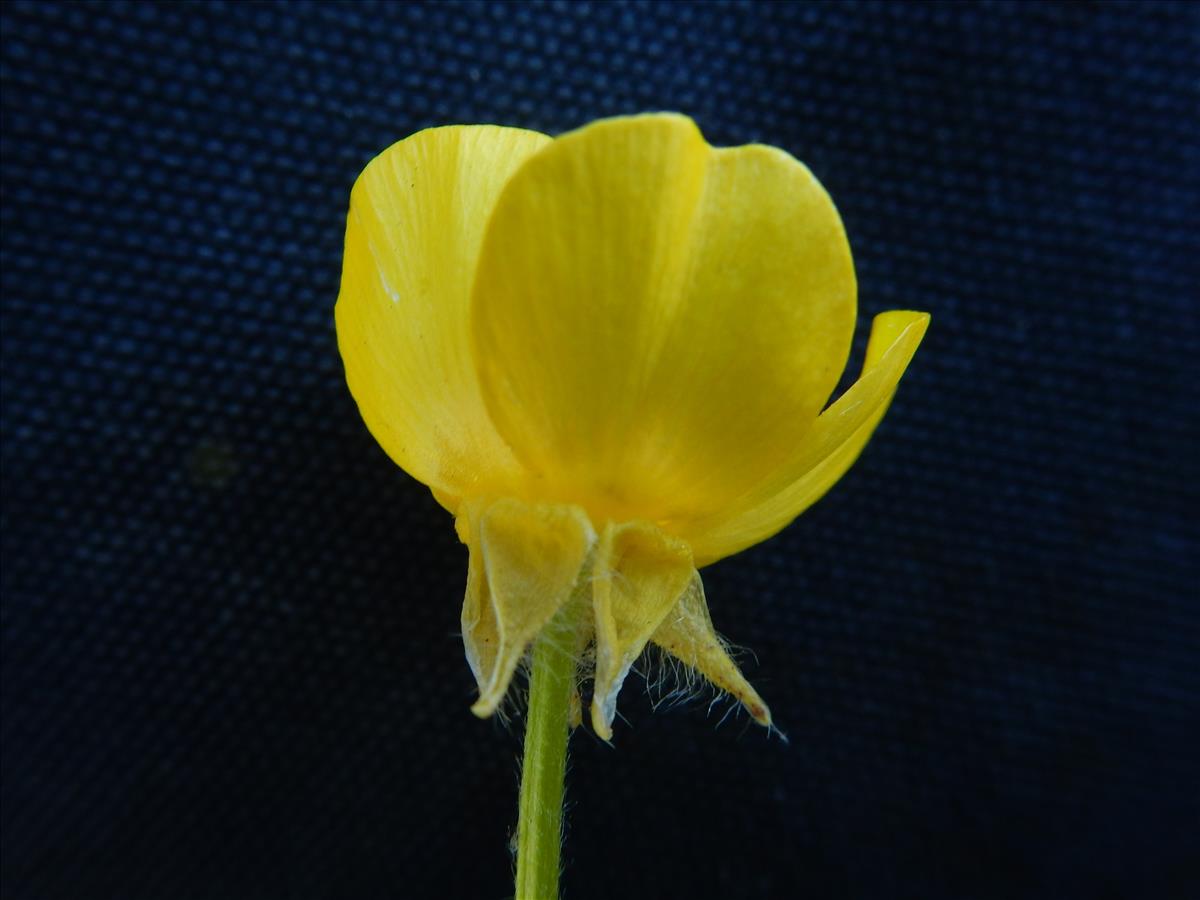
(230, 661)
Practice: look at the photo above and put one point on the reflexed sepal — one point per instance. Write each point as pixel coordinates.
(687, 634)
(524, 562)
(640, 573)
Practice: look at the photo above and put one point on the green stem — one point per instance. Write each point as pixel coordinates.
(539, 822)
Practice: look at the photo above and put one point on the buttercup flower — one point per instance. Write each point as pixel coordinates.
(607, 354)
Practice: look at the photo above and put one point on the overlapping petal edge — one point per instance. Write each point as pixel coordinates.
(607, 354)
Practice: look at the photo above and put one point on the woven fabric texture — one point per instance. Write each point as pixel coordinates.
(231, 666)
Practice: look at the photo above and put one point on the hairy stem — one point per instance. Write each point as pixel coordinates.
(539, 821)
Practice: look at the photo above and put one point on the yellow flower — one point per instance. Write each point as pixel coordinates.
(607, 354)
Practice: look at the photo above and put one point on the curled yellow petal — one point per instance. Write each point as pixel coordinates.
(638, 577)
(687, 634)
(657, 322)
(416, 221)
(826, 452)
(525, 560)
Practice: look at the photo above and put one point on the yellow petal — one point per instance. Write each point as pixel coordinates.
(688, 635)
(639, 576)
(658, 322)
(826, 452)
(525, 560)
(417, 215)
